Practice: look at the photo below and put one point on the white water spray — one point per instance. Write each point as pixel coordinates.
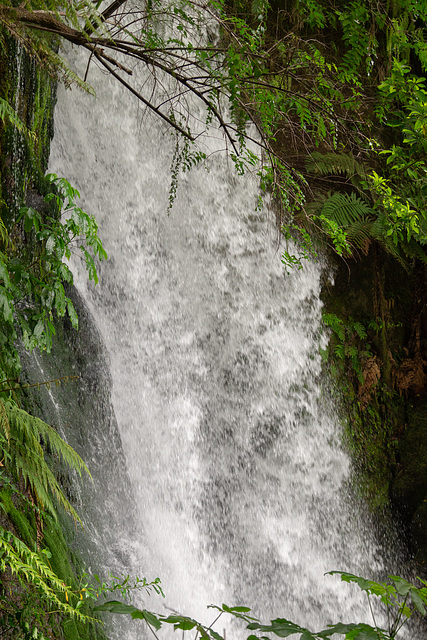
(231, 449)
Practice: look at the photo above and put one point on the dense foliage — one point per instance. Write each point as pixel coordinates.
(335, 90)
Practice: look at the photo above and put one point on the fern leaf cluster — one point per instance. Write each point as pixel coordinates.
(8, 113)
(327, 164)
(352, 219)
(350, 213)
(345, 209)
(25, 435)
(31, 568)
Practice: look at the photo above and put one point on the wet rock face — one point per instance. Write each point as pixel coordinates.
(80, 408)
(391, 422)
(409, 489)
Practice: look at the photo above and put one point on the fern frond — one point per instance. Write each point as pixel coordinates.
(334, 163)
(62, 71)
(4, 234)
(4, 422)
(31, 569)
(359, 234)
(26, 433)
(414, 250)
(25, 423)
(345, 209)
(8, 113)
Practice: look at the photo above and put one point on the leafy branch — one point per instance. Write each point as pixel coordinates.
(400, 598)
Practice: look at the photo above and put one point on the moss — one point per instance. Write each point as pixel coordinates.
(70, 630)
(22, 525)
(60, 561)
(35, 100)
(411, 481)
(386, 431)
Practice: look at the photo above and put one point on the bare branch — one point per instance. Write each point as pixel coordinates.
(173, 124)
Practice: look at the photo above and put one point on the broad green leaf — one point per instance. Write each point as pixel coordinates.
(402, 586)
(366, 632)
(151, 619)
(72, 313)
(362, 583)
(181, 622)
(6, 307)
(114, 606)
(340, 628)
(50, 244)
(280, 627)
(418, 600)
(4, 274)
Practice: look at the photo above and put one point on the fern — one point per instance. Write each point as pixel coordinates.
(25, 434)
(378, 232)
(31, 569)
(346, 215)
(414, 250)
(334, 163)
(61, 70)
(344, 209)
(359, 234)
(8, 113)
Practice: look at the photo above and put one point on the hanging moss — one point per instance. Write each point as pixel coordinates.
(24, 157)
(23, 163)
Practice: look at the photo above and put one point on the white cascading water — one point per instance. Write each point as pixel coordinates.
(232, 451)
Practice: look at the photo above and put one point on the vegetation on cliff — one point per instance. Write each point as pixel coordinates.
(39, 591)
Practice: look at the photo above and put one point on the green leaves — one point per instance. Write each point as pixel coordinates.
(32, 274)
(114, 606)
(399, 597)
(349, 343)
(32, 568)
(393, 596)
(26, 457)
(283, 628)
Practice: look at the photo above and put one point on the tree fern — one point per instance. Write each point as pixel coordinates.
(25, 433)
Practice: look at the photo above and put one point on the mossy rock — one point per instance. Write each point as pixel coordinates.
(21, 523)
(60, 561)
(410, 485)
(409, 489)
(419, 534)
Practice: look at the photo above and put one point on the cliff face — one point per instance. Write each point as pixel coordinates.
(384, 384)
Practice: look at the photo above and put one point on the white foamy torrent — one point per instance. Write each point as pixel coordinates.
(231, 450)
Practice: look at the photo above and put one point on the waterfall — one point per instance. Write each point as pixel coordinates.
(230, 445)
